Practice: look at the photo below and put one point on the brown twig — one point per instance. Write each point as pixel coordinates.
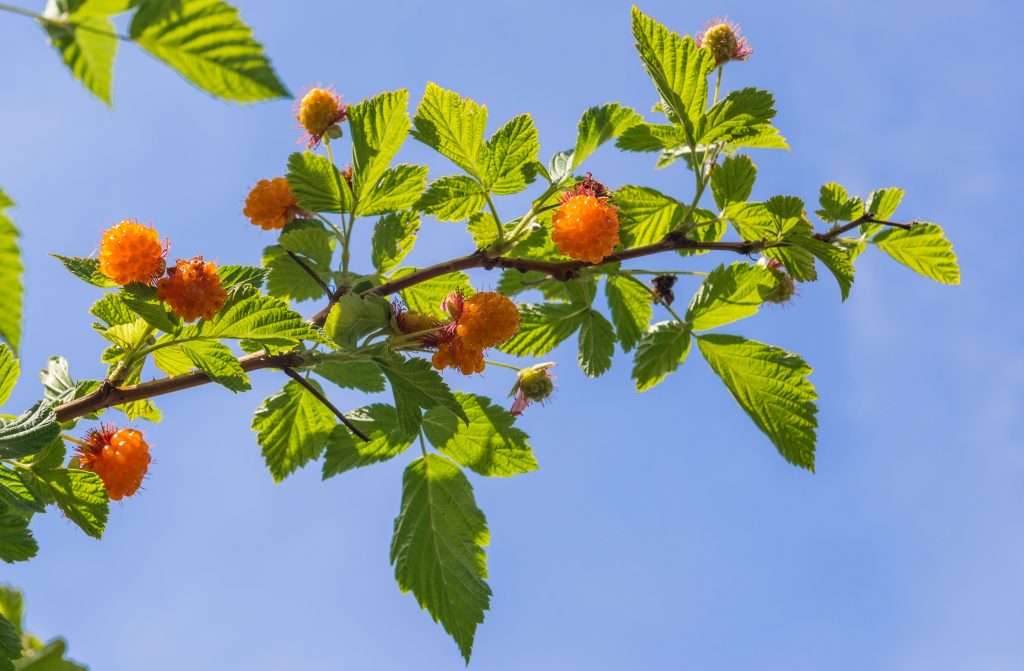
(290, 372)
(312, 273)
(868, 218)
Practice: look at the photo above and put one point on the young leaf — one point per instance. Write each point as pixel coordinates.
(489, 444)
(87, 43)
(452, 198)
(352, 373)
(662, 349)
(438, 547)
(28, 433)
(251, 316)
(379, 126)
(729, 293)
(11, 269)
(882, 203)
(81, 496)
(354, 317)
(293, 428)
(740, 114)
(631, 309)
(597, 344)
(416, 385)
(837, 205)
(924, 249)
(317, 184)
(771, 385)
(50, 657)
(10, 370)
(235, 275)
(398, 189)
(600, 124)
(542, 327)
(387, 440)
(647, 215)
(733, 180)
(452, 125)
(16, 544)
(835, 258)
(87, 270)
(646, 137)
(393, 237)
(209, 45)
(218, 361)
(18, 490)
(507, 160)
(141, 299)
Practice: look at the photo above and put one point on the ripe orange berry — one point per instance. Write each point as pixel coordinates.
(453, 353)
(318, 111)
(586, 228)
(192, 289)
(487, 320)
(119, 456)
(270, 205)
(131, 252)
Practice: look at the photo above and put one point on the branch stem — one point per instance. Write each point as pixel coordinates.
(308, 386)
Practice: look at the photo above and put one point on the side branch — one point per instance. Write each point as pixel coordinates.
(290, 372)
(830, 236)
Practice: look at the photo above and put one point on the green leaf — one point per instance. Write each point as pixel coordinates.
(597, 344)
(10, 370)
(837, 205)
(286, 278)
(28, 433)
(210, 46)
(678, 68)
(488, 444)
(50, 657)
(398, 189)
(438, 547)
(142, 409)
(740, 114)
(81, 496)
(835, 258)
(235, 275)
(600, 124)
(354, 317)
(452, 125)
(317, 184)
(11, 269)
(729, 293)
(378, 126)
(393, 237)
(733, 180)
(647, 215)
(12, 608)
(646, 137)
(126, 336)
(542, 327)
(141, 299)
(293, 428)
(16, 544)
(507, 160)
(87, 270)
(631, 309)
(452, 198)
(218, 361)
(662, 349)
(771, 385)
(251, 316)
(87, 43)
(416, 385)
(387, 440)
(352, 373)
(10, 644)
(112, 310)
(310, 241)
(17, 491)
(882, 203)
(924, 249)
(426, 297)
(560, 167)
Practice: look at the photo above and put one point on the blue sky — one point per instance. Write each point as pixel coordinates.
(662, 531)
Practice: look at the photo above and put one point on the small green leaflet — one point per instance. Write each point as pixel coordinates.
(837, 205)
(10, 644)
(10, 370)
(647, 137)
(50, 657)
(218, 361)
(235, 275)
(733, 180)
(87, 270)
(317, 184)
(351, 372)
(81, 496)
(600, 124)
(393, 237)
(251, 316)
(631, 309)
(596, 344)
(488, 444)
(729, 293)
(141, 299)
(438, 547)
(11, 269)
(416, 385)
(18, 491)
(647, 215)
(835, 258)
(293, 428)
(542, 327)
(509, 158)
(882, 203)
(311, 241)
(452, 125)
(398, 189)
(662, 349)
(924, 249)
(387, 440)
(16, 541)
(87, 43)
(452, 198)
(740, 114)
(771, 385)
(378, 126)
(286, 278)
(354, 317)
(28, 433)
(210, 46)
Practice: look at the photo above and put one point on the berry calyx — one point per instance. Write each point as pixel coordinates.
(271, 205)
(192, 289)
(131, 252)
(586, 226)
(318, 111)
(487, 319)
(119, 456)
(722, 38)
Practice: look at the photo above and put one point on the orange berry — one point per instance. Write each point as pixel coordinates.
(318, 111)
(131, 252)
(487, 320)
(586, 228)
(270, 205)
(192, 289)
(119, 456)
(453, 353)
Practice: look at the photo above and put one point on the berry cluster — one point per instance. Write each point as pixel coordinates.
(586, 226)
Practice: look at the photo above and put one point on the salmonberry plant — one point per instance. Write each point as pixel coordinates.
(414, 332)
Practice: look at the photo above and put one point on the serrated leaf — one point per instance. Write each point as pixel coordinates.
(352, 373)
(729, 293)
(542, 327)
(416, 385)
(81, 496)
(661, 351)
(647, 137)
(286, 278)
(11, 270)
(393, 237)
(507, 160)
(488, 444)
(208, 44)
(235, 275)
(88, 46)
(249, 315)
(924, 249)
(882, 203)
(18, 492)
(452, 198)
(312, 242)
(837, 205)
(600, 124)
(141, 299)
(16, 544)
(452, 125)
(771, 385)
(387, 440)
(10, 371)
(218, 361)
(10, 644)
(50, 657)
(631, 309)
(740, 114)
(293, 428)
(398, 189)
(317, 184)
(112, 310)
(29, 432)
(438, 547)
(378, 126)
(87, 270)
(835, 258)
(733, 180)
(354, 317)
(426, 297)
(596, 344)
(646, 215)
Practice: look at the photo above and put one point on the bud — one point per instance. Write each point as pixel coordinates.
(722, 38)
(533, 384)
(334, 132)
(785, 287)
